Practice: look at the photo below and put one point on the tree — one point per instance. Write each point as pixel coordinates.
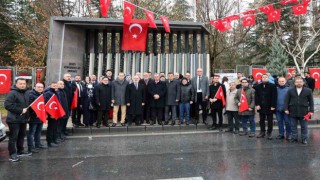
(277, 58)
(180, 11)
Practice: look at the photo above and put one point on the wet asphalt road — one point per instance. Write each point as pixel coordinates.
(158, 156)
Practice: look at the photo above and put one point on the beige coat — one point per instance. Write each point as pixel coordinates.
(230, 103)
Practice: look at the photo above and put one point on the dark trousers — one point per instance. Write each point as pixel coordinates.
(263, 123)
(52, 130)
(34, 134)
(60, 127)
(90, 117)
(157, 113)
(203, 105)
(65, 122)
(214, 113)
(76, 115)
(294, 127)
(135, 118)
(103, 116)
(233, 115)
(147, 113)
(17, 132)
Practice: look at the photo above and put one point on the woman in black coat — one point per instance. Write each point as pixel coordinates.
(88, 105)
(103, 101)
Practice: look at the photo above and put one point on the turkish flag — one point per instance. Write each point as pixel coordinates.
(39, 108)
(150, 18)
(315, 74)
(300, 9)
(220, 95)
(252, 11)
(306, 1)
(222, 25)
(249, 20)
(135, 36)
(286, 2)
(274, 16)
(267, 9)
(38, 75)
(289, 74)
(74, 103)
(54, 108)
(307, 116)
(165, 23)
(257, 73)
(128, 12)
(104, 6)
(5, 80)
(243, 102)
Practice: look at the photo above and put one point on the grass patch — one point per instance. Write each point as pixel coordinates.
(3, 111)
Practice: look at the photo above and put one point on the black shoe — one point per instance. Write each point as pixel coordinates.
(123, 124)
(261, 135)
(75, 125)
(32, 150)
(14, 158)
(220, 129)
(288, 138)
(106, 125)
(304, 141)
(98, 126)
(213, 128)
(80, 124)
(205, 122)
(51, 145)
(236, 132)
(66, 133)
(243, 133)
(181, 123)
(41, 147)
(293, 140)
(187, 123)
(229, 130)
(173, 123)
(280, 137)
(24, 153)
(160, 123)
(269, 137)
(114, 124)
(151, 123)
(166, 123)
(251, 135)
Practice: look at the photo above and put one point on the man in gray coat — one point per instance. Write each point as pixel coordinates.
(172, 98)
(200, 85)
(118, 96)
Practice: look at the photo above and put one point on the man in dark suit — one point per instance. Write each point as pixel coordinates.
(103, 101)
(135, 100)
(146, 81)
(157, 93)
(69, 89)
(298, 103)
(200, 85)
(76, 113)
(266, 102)
(310, 81)
(172, 98)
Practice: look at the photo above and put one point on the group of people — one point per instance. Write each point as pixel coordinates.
(151, 99)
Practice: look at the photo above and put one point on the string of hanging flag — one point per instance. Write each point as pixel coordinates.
(249, 17)
(128, 12)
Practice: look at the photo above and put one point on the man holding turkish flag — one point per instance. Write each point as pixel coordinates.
(135, 36)
(245, 99)
(217, 96)
(5, 80)
(38, 116)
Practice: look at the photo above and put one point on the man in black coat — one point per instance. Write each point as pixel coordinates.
(35, 124)
(16, 104)
(69, 89)
(157, 93)
(62, 96)
(52, 135)
(103, 101)
(216, 105)
(146, 81)
(310, 81)
(298, 103)
(77, 112)
(266, 102)
(172, 98)
(135, 100)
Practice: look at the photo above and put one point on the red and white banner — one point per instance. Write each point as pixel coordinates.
(315, 74)
(5, 80)
(289, 74)
(135, 36)
(257, 73)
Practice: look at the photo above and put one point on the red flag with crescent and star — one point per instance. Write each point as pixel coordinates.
(135, 36)
(289, 74)
(5, 80)
(165, 22)
(315, 74)
(128, 11)
(257, 73)
(243, 102)
(150, 18)
(286, 2)
(74, 103)
(267, 9)
(54, 108)
(300, 9)
(39, 108)
(220, 95)
(104, 7)
(274, 15)
(249, 20)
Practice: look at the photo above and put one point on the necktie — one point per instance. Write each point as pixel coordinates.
(136, 85)
(199, 84)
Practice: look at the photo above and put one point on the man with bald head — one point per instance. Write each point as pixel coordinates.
(200, 85)
(69, 89)
(146, 81)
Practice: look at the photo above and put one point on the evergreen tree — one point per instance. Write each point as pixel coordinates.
(277, 58)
